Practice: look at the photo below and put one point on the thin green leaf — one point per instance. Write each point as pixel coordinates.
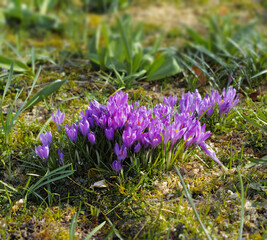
(243, 201)
(254, 123)
(44, 93)
(49, 177)
(259, 74)
(95, 230)
(114, 229)
(8, 83)
(73, 226)
(188, 195)
(9, 186)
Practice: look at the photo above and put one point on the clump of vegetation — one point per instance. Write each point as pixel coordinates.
(229, 53)
(18, 15)
(104, 6)
(120, 51)
(133, 135)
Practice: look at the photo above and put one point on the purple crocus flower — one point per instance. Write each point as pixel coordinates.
(58, 117)
(176, 133)
(196, 134)
(207, 149)
(46, 138)
(42, 151)
(187, 103)
(171, 100)
(120, 152)
(204, 104)
(119, 119)
(101, 119)
(155, 138)
(163, 113)
(227, 100)
(88, 116)
(144, 139)
(128, 136)
(116, 165)
(189, 136)
(72, 132)
(116, 102)
(137, 147)
(84, 127)
(167, 134)
(200, 134)
(61, 157)
(91, 138)
(109, 132)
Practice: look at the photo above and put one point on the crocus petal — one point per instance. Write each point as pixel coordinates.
(207, 149)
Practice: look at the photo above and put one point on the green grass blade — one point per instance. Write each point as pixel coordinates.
(73, 226)
(33, 60)
(196, 37)
(15, 51)
(235, 44)
(126, 44)
(114, 229)
(8, 82)
(243, 200)
(49, 177)
(9, 186)
(44, 127)
(44, 93)
(44, 6)
(192, 204)
(95, 230)
(259, 74)
(254, 123)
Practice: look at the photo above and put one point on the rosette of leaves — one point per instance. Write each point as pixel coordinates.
(120, 51)
(18, 15)
(102, 6)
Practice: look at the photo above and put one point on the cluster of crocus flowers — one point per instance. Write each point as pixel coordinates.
(134, 129)
(43, 150)
(46, 138)
(194, 104)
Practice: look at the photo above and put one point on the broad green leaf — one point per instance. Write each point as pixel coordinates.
(256, 161)
(44, 6)
(18, 65)
(137, 57)
(17, 4)
(44, 93)
(196, 37)
(94, 57)
(163, 66)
